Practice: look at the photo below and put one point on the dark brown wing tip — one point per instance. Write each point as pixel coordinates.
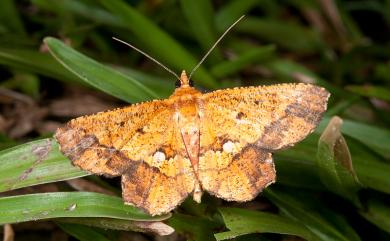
(309, 106)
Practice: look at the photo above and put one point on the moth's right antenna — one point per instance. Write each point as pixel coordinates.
(148, 56)
(215, 44)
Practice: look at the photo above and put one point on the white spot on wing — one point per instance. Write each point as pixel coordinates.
(268, 160)
(243, 122)
(159, 157)
(228, 147)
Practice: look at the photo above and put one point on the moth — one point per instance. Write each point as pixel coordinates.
(220, 142)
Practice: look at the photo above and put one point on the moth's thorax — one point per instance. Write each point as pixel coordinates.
(185, 93)
(185, 101)
(187, 120)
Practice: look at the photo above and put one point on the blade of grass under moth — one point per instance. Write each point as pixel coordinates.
(15, 209)
(34, 163)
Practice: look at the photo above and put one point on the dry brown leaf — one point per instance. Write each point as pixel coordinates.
(8, 233)
(79, 105)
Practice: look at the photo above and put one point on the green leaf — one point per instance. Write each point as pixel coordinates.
(164, 86)
(372, 170)
(25, 82)
(9, 16)
(231, 11)
(378, 139)
(371, 91)
(82, 232)
(98, 75)
(286, 70)
(199, 15)
(35, 62)
(35, 163)
(89, 11)
(335, 163)
(382, 69)
(252, 237)
(342, 105)
(158, 42)
(6, 142)
(252, 56)
(378, 213)
(198, 228)
(40, 206)
(312, 212)
(373, 174)
(277, 32)
(241, 222)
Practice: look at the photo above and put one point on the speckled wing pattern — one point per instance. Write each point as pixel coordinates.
(241, 127)
(142, 144)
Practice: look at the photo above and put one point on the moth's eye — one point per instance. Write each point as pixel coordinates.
(191, 83)
(177, 84)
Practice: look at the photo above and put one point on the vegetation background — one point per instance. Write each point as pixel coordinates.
(58, 61)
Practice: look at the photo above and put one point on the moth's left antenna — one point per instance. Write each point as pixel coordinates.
(148, 56)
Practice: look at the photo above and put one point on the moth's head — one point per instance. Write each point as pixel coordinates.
(184, 82)
(184, 88)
